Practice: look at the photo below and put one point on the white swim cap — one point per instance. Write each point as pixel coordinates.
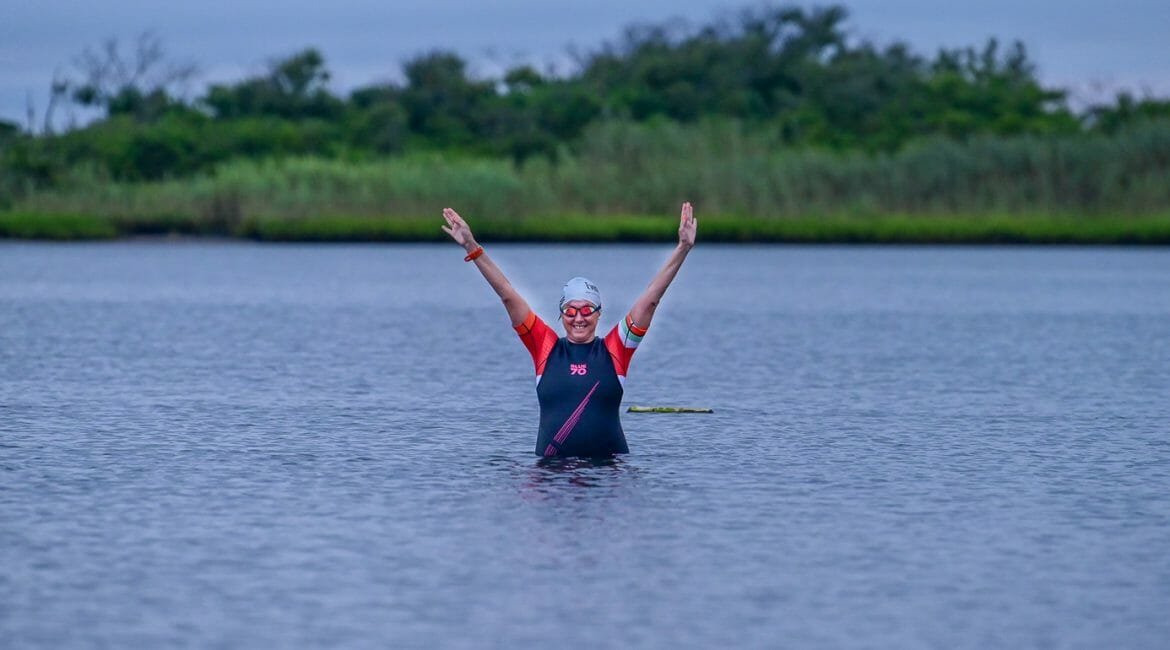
(580, 289)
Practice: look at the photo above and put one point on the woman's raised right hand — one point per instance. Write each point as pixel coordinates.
(458, 229)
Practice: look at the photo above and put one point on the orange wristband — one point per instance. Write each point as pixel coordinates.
(474, 254)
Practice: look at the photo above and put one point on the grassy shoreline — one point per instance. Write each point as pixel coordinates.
(893, 229)
(746, 186)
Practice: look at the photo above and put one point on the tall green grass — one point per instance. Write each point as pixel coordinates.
(616, 228)
(21, 225)
(744, 183)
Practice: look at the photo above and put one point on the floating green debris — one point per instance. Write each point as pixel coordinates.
(668, 409)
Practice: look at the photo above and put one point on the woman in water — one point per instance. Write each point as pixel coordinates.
(579, 377)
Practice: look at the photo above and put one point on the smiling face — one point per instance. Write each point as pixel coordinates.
(578, 327)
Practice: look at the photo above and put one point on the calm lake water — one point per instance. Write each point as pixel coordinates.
(247, 446)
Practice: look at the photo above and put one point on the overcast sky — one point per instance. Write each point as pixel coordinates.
(1091, 47)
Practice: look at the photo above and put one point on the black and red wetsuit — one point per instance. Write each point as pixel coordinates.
(579, 386)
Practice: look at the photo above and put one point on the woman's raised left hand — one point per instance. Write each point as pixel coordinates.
(687, 225)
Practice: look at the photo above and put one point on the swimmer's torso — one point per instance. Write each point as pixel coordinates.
(579, 386)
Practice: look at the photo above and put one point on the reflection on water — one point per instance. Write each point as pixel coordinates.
(560, 466)
(557, 476)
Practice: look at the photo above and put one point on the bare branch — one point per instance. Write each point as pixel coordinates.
(30, 112)
(58, 90)
(148, 53)
(106, 73)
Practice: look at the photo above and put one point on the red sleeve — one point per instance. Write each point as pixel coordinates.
(538, 338)
(621, 342)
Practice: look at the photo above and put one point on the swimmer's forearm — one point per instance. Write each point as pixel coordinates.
(514, 303)
(643, 310)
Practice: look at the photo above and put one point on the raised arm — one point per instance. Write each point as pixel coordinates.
(459, 230)
(643, 310)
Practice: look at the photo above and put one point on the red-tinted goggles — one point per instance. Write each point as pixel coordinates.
(586, 311)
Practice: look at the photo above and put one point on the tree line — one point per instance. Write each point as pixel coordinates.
(787, 70)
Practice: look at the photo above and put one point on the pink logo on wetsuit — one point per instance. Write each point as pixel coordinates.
(577, 369)
(567, 427)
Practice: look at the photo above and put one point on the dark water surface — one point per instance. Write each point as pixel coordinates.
(235, 445)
